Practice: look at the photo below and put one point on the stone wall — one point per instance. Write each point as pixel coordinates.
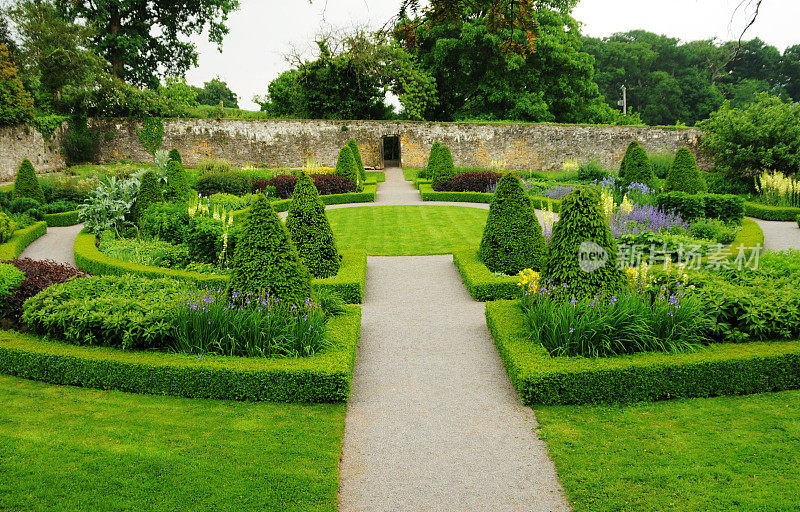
(23, 141)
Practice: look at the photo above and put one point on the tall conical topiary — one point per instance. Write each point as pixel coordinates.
(582, 252)
(177, 189)
(684, 175)
(626, 157)
(149, 193)
(433, 157)
(265, 260)
(362, 173)
(26, 184)
(512, 238)
(444, 169)
(174, 154)
(310, 231)
(638, 168)
(346, 165)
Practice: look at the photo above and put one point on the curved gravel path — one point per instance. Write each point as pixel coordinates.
(779, 236)
(57, 245)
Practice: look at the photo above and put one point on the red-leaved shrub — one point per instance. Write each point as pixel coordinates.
(39, 275)
(326, 184)
(474, 181)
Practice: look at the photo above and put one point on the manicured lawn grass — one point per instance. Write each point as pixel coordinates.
(407, 230)
(729, 453)
(66, 448)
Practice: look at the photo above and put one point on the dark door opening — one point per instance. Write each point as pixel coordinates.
(391, 151)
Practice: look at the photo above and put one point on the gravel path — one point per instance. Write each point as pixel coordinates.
(779, 236)
(433, 422)
(55, 245)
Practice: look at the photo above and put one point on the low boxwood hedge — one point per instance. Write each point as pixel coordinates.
(324, 377)
(348, 283)
(766, 212)
(482, 284)
(723, 369)
(21, 239)
(428, 194)
(367, 195)
(57, 220)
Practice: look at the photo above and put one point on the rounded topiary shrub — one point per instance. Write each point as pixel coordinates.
(149, 192)
(512, 238)
(362, 173)
(346, 165)
(7, 228)
(26, 184)
(174, 154)
(582, 253)
(177, 189)
(443, 170)
(638, 168)
(310, 231)
(265, 260)
(684, 175)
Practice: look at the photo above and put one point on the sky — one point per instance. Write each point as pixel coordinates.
(262, 32)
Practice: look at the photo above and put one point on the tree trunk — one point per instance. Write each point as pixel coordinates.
(116, 56)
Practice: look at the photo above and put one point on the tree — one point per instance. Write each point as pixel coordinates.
(284, 96)
(512, 237)
(790, 71)
(216, 91)
(310, 231)
(684, 175)
(26, 184)
(16, 105)
(142, 39)
(265, 262)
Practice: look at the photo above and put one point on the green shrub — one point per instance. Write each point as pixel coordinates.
(638, 168)
(149, 192)
(229, 202)
(166, 222)
(766, 212)
(157, 253)
(26, 184)
(580, 228)
(433, 158)
(662, 163)
(512, 238)
(10, 279)
(209, 166)
(727, 208)
(482, 283)
(230, 182)
(362, 173)
(126, 312)
(265, 260)
(444, 169)
(591, 171)
(623, 165)
(80, 143)
(152, 134)
(7, 228)
(346, 165)
(310, 230)
(723, 183)
(684, 175)
(177, 188)
(204, 239)
(174, 154)
(21, 239)
(715, 230)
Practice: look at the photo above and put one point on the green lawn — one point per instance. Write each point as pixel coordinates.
(407, 230)
(731, 453)
(66, 448)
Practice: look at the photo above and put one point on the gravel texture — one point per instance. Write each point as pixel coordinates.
(57, 245)
(779, 236)
(433, 422)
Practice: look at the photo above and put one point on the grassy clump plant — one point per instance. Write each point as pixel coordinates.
(512, 238)
(684, 174)
(362, 173)
(310, 230)
(26, 184)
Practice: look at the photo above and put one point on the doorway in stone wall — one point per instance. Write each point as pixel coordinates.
(391, 151)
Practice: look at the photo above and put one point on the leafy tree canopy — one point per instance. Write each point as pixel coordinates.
(216, 91)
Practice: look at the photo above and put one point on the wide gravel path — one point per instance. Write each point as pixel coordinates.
(779, 236)
(57, 245)
(433, 422)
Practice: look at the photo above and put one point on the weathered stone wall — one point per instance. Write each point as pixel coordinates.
(23, 141)
(289, 143)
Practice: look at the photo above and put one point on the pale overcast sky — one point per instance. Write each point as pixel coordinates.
(262, 31)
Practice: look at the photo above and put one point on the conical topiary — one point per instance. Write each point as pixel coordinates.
(624, 163)
(346, 165)
(444, 169)
(362, 173)
(174, 154)
(310, 231)
(149, 193)
(638, 168)
(26, 184)
(432, 159)
(582, 253)
(177, 189)
(265, 261)
(684, 175)
(512, 238)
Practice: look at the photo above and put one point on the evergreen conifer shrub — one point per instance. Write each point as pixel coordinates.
(432, 159)
(149, 192)
(265, 260)
(624, 163)
(444, 169)
(362, 173)
(638, 168)
(582, 238)
(684, 175)
(310, 231)
(346, 165)
(26, 184)
(174, 154)
(177, 189)
(512, 238)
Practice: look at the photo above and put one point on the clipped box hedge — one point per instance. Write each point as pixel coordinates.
(482, 284)
(428, 194)
(59, 220)
(349, 282)
(324, 377)
(21, 239)
(766, 212)
(716, 370)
